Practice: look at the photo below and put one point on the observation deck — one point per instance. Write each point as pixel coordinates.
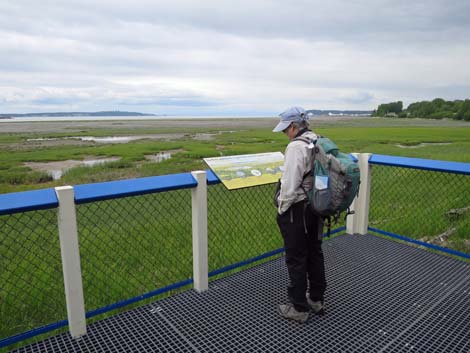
(382, 296)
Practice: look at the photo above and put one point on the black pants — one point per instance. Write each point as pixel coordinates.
(302, 232)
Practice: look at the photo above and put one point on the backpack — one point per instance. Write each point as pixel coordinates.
(335, 180)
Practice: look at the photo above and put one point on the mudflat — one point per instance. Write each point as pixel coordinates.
(183, 124)
(187, 125)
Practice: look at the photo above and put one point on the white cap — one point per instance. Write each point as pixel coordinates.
(290, 115)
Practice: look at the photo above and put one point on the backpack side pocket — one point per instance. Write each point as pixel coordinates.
(321, 200)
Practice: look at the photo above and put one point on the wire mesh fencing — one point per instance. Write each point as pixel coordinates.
(128, 247)
(134, 245)
(31, 281)
(429, 206)
(241, 224)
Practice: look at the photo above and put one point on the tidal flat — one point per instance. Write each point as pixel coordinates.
(27, 149)
(201, 124)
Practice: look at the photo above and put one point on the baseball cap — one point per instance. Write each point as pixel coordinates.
(289, 116)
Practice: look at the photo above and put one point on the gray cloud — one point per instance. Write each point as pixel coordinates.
(311, 20)
(231, 56)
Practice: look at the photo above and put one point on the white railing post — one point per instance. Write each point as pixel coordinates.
(351, 220)
(69, 249)
(361, 217)
(199, 221)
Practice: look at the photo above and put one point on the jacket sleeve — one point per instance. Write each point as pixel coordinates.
(291, 177)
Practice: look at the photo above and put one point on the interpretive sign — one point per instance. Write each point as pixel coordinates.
(248, 169)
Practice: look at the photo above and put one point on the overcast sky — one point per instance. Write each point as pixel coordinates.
(254, 57)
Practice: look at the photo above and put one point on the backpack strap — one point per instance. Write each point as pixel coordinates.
(304, 139)
(308, 142)
(309, 172)
(328, 225)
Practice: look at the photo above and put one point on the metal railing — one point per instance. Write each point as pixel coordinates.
(423, 201)
(145, 237)
(135, 242)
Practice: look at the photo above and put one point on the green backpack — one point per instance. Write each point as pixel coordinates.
(335, 179)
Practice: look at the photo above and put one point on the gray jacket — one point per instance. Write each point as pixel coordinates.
(297, 162)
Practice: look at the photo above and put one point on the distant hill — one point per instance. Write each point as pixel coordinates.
(121, 113)
(341, 112)
(105, 113)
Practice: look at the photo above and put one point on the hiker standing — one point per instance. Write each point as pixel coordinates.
(301, 230)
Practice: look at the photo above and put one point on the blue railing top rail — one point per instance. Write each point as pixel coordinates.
(140, 186)
(419, 163)
(132, 187)
(28, 201)
(212, 178)
(24, 201)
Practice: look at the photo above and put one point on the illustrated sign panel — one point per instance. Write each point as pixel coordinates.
(248, 169)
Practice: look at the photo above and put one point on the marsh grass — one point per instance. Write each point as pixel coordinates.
(377, 139)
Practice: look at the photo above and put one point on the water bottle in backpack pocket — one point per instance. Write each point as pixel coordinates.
(321, 193)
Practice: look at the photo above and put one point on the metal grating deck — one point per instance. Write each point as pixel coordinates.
(383, 296)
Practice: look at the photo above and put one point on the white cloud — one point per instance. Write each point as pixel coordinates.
(222, 57)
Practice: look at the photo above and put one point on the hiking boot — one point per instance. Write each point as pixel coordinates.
(289, 312)
(318, 307)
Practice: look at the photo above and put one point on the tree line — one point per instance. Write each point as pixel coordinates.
(436, 109)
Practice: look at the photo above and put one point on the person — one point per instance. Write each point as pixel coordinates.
(301, 229)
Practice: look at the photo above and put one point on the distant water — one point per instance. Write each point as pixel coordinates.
(104, 118)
